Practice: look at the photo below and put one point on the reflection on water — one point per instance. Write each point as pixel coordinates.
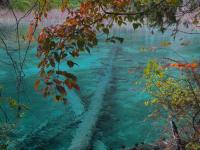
(122, 117)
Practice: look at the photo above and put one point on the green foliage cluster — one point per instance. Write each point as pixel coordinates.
(171, 93)
(21, 4)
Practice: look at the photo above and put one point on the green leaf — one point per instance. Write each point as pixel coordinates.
(80, 43)
(106, 30)
(121, 40)
(87, 49)
(136, 25)
(57, 57)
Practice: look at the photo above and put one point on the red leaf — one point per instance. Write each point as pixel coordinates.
(58, 82)
(77, 87)
(61, 89)
(36, 85)
(69, 84)
(71, 63)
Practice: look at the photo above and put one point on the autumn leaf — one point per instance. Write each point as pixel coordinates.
(75, 53)
(121, 3)
(77, 87)
(85, 7)
(64, 5)
(67, 75)
(71, 63)
(61, 89)
(72, 84)
(30, 33)
(71, 22)
(58, 82)
(42, 37)
(69, 84)
(36, 85)
(52, 62)
(186, 66)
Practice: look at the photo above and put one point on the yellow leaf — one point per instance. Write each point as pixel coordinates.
(165, 43)
(146, 103)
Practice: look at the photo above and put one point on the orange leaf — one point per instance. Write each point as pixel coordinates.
(71, 22)
(41, 37)
(186, 66)
(194, 65)
(30, 33)
(173, 65)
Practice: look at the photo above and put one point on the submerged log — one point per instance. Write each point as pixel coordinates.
(84, 132)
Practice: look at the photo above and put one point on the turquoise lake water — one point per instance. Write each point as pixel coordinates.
(108, 112)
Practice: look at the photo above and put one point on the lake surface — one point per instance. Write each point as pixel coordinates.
(108, 112)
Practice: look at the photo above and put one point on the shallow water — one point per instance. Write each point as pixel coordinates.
(109, 110)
